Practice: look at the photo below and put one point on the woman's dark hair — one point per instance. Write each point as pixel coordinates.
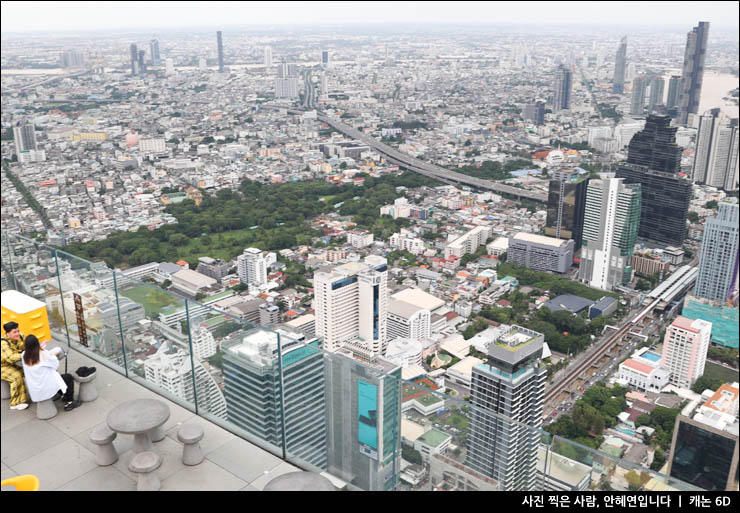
(10, 326)
(31, 353)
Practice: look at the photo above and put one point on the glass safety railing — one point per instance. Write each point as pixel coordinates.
(352, 419)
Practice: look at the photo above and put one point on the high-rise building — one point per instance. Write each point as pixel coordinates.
(203, 343)
(610, 227)
(562, 89)
(324, 87)
(657, 87)
(71, 59)
(364, 412)
(154, 50)
(506, 406)
(720, 254)
(202, 64)
(251, 267)
(142, 61)
(351, 304)
(704, 449)
(693, 71)
(220, 45)
(25, 137)
(325, 57)
(257, 377)
(620, 67)
(169, 64)
(674, 86)
(637, 106)
(685, 350)
(535, 112)
(566, 204)
(173, 370)
(654, 160)
(716, 159)
(286, 82)
(267, 61)
(134, 60)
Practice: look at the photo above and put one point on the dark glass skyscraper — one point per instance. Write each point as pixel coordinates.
(620, 67)
(639, 84)
(566, 203)
(154, 48)
(561, 92)
(654, 160)
(535, 112)
(673, 86)
(220, 43)
(134, 60)
(693, 71)
(142, 61)
(657, 87)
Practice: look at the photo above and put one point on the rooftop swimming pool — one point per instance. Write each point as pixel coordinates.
(653, 357)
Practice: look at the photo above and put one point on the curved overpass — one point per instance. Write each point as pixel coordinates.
(427, 169)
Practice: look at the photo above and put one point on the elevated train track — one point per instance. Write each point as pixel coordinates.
(671, 289)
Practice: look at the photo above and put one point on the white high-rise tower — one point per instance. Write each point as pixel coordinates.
(268, 56)
(351, 304)
(251, 267)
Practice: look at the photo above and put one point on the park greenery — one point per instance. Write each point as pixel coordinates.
(490, 170)
(726, 355)
(662, 420)
(552, 282)
(268, 217)
(707, 382)
(595, 411)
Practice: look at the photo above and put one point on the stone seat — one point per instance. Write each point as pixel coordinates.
(88, 391)
(103, 436)
(145, 465)
(190, 436)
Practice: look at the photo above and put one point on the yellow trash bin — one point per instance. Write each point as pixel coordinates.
(29, 313)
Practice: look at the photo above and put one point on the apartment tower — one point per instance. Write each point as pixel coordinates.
(610, 229)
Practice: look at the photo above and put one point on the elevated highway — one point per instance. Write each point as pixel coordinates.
(419, 166)
(431, 170)
(45, 81)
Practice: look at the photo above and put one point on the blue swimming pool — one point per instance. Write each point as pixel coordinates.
(653, 357)
(625, 430)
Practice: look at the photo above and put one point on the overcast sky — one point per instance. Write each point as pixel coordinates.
(65, 16)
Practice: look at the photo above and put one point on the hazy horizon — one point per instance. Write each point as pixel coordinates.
(66, 17)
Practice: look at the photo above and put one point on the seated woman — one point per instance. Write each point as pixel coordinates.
(42, 379)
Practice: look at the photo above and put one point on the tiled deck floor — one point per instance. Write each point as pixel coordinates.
(59, 453)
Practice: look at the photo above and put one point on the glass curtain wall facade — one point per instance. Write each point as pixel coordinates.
(566, 205)
(653, 161)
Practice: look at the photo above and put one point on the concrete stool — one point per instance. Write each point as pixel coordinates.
(300, 482)
(88, 392)
(5, 389)
(191, 436)
(145, 463)
(46, 410)
(105, 454)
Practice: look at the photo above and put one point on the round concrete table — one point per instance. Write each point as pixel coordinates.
(300, 482)
(139, 418)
